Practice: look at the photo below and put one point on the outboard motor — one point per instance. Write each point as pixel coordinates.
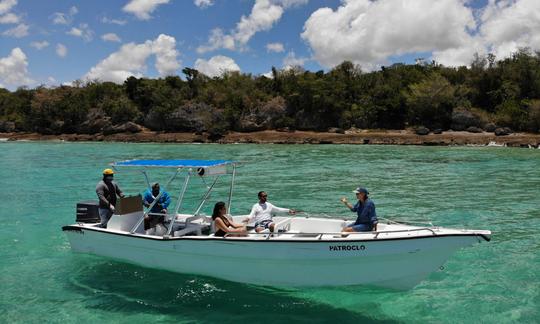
(87, 212)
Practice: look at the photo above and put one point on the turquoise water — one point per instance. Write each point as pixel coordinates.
(481, 188)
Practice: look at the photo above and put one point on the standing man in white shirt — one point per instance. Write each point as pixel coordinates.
(261, 213)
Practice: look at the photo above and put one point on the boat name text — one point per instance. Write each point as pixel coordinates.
(347, 247)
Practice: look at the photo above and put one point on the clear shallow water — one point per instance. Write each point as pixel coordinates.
(483, 188)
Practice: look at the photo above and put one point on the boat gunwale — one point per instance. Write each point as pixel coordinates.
(80, 228)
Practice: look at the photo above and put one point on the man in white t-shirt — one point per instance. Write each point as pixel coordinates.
(261, 213)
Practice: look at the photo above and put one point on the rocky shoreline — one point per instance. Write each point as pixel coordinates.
(396, 137)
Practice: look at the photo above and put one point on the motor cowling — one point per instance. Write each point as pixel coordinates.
(87, 212)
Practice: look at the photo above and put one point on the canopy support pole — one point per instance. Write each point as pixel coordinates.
(231, 190)
(154, 202)
(179, 203)
(205, 197)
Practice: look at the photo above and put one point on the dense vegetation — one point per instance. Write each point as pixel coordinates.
(504, 93)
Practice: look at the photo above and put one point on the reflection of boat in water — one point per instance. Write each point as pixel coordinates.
(495, 144)
(304, 251)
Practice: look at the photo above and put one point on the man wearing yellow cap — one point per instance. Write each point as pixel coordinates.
(107, 190)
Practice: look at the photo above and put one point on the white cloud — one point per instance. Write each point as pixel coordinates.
(130, 60)
(143, 8)
(110, 37)
(119, 22)
(509, 25)
(216, 66)
(275, 47)
(83, 32)
(60, 18)
(73, 11)
(217, 40)
(61, 50)
(268, 74)
(14, 68)
(369, 33)
(9, 18)
(39, 45)
(164, 47)
(17, 32)
(460, 55)
(291, 60)
(291, 3)
(204, 3)
(6, 5)
(75, 32)
(264, 14)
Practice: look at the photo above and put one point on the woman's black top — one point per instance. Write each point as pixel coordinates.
(221, 232)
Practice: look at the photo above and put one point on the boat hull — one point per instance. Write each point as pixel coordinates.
(393, 263)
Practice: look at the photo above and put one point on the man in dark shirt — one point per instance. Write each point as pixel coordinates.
(365, 209)
(107, 190)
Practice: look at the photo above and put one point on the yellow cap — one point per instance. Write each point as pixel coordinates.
(108, 172)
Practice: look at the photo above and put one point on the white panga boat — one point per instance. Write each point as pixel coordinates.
(304, 251)
(495, 144)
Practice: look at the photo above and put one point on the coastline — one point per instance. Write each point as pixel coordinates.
(390, 137)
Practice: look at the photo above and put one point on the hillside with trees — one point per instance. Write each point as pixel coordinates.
(490, 94)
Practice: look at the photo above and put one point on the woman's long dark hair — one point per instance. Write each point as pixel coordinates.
(217, 208)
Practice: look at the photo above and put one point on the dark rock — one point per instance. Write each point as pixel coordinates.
(490, 127)
(474, 129)
(437, 131)
(462, 119)
(95, 122)
(191, 117)
(263, 117)
(249, 124)
(109, 129)
(129, 127)
(215, 135)
(57, 127)
(153, 121)
(7, 127)
(98, 125)
(422, 130)
(503, 131)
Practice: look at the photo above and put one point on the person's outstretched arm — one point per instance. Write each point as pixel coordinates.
(119, 191)
(346, 203)
(222, 226)
(252, 214)
(276, 209)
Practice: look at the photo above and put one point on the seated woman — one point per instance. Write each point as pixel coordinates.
(222, 223)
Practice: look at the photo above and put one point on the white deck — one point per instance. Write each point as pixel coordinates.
(292, 228)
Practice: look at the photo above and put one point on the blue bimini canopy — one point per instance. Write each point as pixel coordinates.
(173, 163)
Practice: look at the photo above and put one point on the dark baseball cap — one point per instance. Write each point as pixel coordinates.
(361, 189)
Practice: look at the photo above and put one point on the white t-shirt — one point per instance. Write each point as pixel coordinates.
(260, 212)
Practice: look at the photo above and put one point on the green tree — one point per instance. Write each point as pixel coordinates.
(431, 102)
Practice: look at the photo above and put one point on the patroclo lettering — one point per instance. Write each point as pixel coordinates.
(347, 247)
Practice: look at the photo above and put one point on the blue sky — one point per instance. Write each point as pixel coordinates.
(56, 42)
